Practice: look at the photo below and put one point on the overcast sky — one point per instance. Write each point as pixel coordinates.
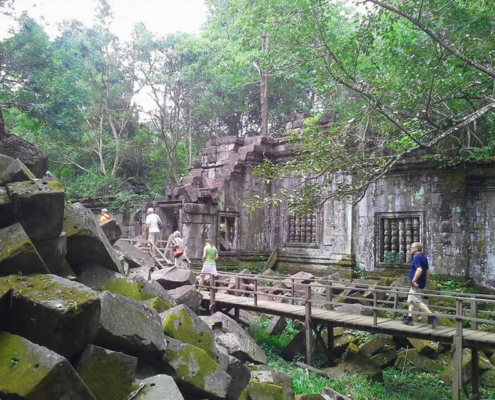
(160, 16)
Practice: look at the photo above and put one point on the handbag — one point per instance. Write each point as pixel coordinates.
(178, 252)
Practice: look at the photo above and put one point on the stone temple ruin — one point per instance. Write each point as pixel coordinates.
(450, 210)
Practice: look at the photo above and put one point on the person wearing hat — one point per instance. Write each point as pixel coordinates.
(105, 216)
(153, 226)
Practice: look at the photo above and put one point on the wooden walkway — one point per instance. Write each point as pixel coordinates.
(317, 303)
(387, 326)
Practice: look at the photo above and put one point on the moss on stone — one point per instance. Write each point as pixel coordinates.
(20, 369)
(127, 288)
(159, 305)
(124, 288)
(55, 185)
(180, 326)
(191, 364)
(264, 391)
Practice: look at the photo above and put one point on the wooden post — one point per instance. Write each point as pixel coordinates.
(375, 311)
(396, 304)
(212, 294)
(457, 375)
(308, 325)
(237, 285)
(255, 291)
(474, 314)
(330, 339)
(292, 292)
(329, 295)
(475, 382)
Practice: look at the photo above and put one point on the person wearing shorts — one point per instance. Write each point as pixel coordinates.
(209, 258)
(418, 274)
(153, 223)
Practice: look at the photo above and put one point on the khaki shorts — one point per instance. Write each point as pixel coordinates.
(153, 237)
(415, 296)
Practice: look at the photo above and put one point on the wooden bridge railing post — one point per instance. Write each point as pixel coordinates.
(255, 292)
(292, 292)
(237, 285)
(396, 304)
(474, 314)
(375, 311)
(308, 325)
(329, 295)
(457, 376)
(212, 294)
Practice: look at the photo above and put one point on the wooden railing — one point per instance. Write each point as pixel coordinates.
(465, 308)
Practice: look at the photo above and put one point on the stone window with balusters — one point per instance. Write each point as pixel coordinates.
(396, 233)
(302, 229)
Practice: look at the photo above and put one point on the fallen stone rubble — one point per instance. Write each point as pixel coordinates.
(77, 324)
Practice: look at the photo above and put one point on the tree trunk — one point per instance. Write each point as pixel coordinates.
(264, 91)
(3, 129)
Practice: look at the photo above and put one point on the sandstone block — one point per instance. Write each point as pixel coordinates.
(421, 362)
(39, 207)
(266, 391)
(128, 326)
(112, 230)
(99, 278)
(277, 325)
(35, 159)
(187, 295)
(53, 252)
(194, 368)
(425, 347)
(86, 242)
(158, 387)
(240, 375)
(134, 256)
(53, 312)
(385, 357)
(13, 170)
(18, 254)
(172, 278)
(106, 373)
(376, 344)
(33, 372)
(183, 324)
(236, 340)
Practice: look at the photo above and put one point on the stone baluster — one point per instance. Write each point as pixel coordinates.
(408, 239)
(386, 237)
(402, 240)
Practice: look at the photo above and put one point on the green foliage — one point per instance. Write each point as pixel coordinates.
(391, 257)
(14, 360)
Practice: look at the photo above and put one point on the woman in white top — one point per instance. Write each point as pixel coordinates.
(180, 261)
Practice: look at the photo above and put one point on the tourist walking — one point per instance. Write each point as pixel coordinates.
(210, 255)
(179, 251)
(105, 216)
(152, 227)
(418, 275)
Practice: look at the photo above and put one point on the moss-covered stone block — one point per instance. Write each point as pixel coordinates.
(351, 352)
(52, 311)
(309, 397)
(129, 326)
(86, 242)
(448, 372)
(159, 305)
(263, 391)
(195, 369)
(102, 279)
(376, 344)
(39, 207)
(386, 357)
(184, 325)
(32, 372)
(13, 170)
(421, 362)
(340, 343)
(18, 254)
(425, 347)
(107, 374)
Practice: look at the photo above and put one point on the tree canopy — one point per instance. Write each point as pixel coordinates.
(406, 78)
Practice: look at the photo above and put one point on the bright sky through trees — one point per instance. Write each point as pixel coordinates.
(159, 16)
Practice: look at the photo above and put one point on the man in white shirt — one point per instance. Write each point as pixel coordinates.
(153, 225)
